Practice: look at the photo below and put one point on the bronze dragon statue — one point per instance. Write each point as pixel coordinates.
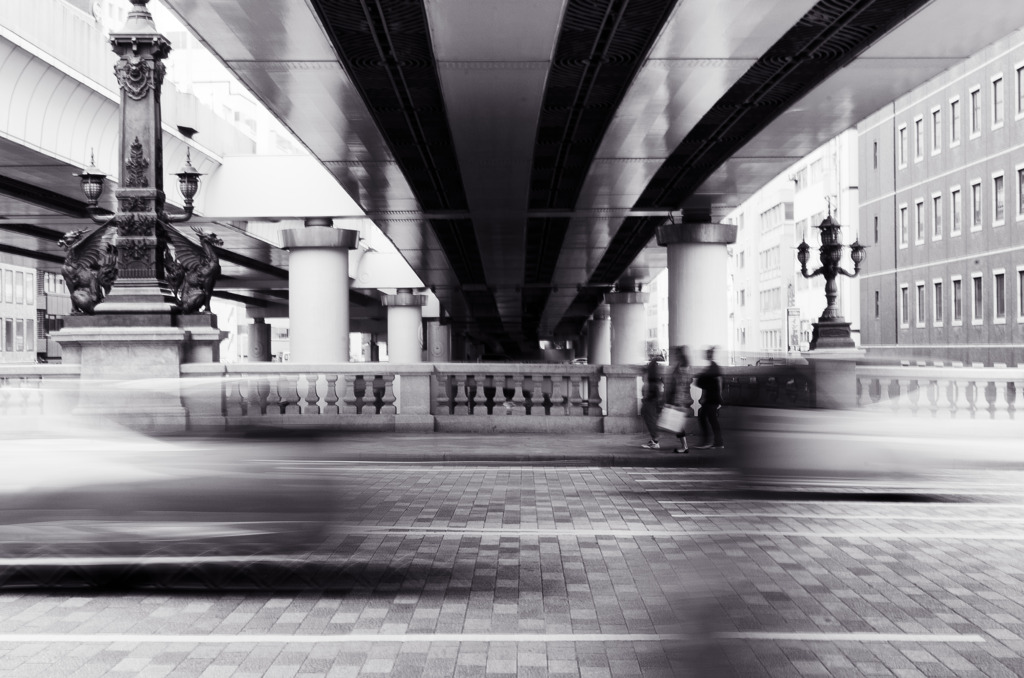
(90, 267)
(192, 270)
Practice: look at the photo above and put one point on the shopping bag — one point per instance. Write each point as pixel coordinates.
(672, 419)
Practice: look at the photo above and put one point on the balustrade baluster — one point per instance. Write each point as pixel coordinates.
(235, 402)
(894, 394)
(971, 391)
(576, 397)
(557, 399)
(312, 399)
(953, 397)
(860, 392)
(360, 388)
(331, 397)
(5, 395)
(490, 391)
(594, 396)
(373, 400)
(518, 399)
(933, 397)
(273, 399)
(388, 399)
(913, 395)
(460, 403)
(990, 398)
(349, 395)
(471, 393)
(533, 394)
(1011, 399)
(287, 386)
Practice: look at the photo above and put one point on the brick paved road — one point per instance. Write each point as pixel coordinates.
(440, 570)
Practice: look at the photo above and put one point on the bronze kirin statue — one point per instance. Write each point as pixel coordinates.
(191, 269)
(90, 267)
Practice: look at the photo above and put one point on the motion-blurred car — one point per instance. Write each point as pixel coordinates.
(92, 488)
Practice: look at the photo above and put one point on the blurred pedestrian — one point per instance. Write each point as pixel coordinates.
(677, 389)
(710, 384)
(650, 404)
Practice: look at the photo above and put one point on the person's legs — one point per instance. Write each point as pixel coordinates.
(683, 447)
(702, 417)
(715, 426)
(649, 413)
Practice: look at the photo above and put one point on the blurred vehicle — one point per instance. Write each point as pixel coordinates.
(863, 447)
(74, 487)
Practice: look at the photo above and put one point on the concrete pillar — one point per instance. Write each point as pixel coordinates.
(599, 340)
(628, 342)
(318, 291)
(698, 298)
(405, 313)
(259, 341)
(439, 342)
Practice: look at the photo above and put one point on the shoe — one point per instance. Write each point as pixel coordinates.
(702, 447)
(651, 445)
(718, 446)
(683, 450)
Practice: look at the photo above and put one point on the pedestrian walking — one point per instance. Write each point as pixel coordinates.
(677, 389)
(710, 384)
(650, 404)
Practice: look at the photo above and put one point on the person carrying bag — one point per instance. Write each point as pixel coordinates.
(672, 417)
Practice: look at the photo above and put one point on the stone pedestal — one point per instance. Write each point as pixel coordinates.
(830, 335)
(202, 341)
(129, 375)
(835, 377)
(622, 399)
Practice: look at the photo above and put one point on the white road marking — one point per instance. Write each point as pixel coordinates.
(227, 639)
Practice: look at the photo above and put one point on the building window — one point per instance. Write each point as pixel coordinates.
(920, 304)
(998, 200)
(918, 138)
(1020, 192)
(999, 296)
(904, 234)
(1020, 90)
(975, 112)
(937, 296)
(997, 101)
(955, 211)
(1020, 293)
(876, 229)
(874, 154)
(936, 130)
(954, 122)
(975, 206)
(878, 305)
(901, 148)
(978, 297)
(936, 217)
(958, 300)
(919, 222)
(904, 306)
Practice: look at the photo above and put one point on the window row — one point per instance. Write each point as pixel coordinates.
(771, 300)
(946, 300)
(975, 119)
(930, 215)
(17, 334)
(17, 287)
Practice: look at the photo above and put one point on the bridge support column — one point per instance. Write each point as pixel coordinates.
(439, 342)
(259, 341)
(318, 313)
(628, 343)
(405, 313)
(697, 292)
(599, 338)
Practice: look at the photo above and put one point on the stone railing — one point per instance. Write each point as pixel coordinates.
(517, 397)
(38, 389)
(943, 392)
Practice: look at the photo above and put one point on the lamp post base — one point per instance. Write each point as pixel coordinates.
(831, 334)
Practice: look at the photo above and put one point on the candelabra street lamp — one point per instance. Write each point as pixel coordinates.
(831, 331)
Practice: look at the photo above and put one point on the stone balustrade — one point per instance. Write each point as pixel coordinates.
(505, 397)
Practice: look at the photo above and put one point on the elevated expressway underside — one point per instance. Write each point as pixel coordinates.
(521, 154)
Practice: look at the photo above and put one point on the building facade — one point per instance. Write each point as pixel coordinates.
(18, 327)
(942, 188)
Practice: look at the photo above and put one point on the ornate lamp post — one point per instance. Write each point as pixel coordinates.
(831, 330)
(134, 273)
